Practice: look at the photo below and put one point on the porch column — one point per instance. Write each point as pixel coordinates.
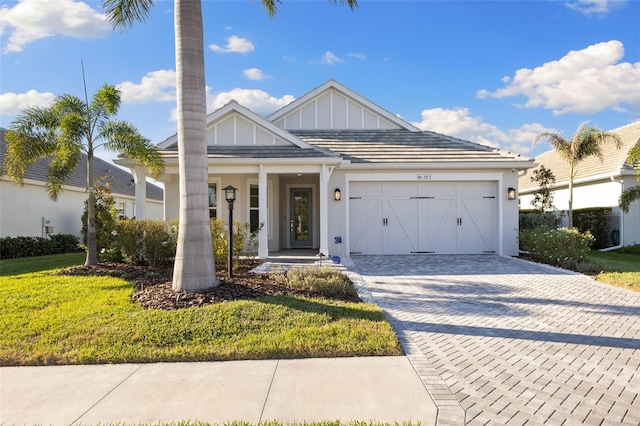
(325, 174)
(263, 237)
(140, 180)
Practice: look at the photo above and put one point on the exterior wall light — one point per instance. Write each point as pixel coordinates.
(337, 195)
(511, 194)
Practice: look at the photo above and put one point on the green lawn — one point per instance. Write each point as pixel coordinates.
(59, 319)
(620, 267)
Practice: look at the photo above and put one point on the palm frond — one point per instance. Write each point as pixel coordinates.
(107, 98)
(628, 196)
(125, 138)
(123, 14)
(560, 144)
(31, 136)
(62, 165)
(633, 157)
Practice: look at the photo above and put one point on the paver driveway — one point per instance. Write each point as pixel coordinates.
(512, 342)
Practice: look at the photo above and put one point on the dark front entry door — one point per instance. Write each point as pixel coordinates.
(300, 225)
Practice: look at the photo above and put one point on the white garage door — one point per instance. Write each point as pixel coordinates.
(424, 217)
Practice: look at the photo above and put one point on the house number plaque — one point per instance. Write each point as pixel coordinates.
(424, 177)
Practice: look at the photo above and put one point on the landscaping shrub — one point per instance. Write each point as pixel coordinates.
(596, 221)
(244, 241)
(533, 219)
(106, 215)
(325, 280)
(14, 247)
(143, 242)
(562, 247)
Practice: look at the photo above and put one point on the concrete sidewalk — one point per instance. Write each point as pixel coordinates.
(385, 389)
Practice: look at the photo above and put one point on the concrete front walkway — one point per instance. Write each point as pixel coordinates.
(500, 341)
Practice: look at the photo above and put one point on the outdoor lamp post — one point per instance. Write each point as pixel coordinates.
(230, 196)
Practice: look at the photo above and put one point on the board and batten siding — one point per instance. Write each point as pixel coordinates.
(333, 110)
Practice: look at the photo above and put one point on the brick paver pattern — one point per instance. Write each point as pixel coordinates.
(515, 342)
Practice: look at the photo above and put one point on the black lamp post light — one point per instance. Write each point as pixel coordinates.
(230, 196)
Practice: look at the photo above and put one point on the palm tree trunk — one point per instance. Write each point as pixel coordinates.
(92, 248)
(194, 268)
(570, 212)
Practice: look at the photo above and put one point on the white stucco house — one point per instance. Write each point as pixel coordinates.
(335, 172)
(27, 210)
(596, 184)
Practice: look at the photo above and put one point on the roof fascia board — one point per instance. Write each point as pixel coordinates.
(509, 165)
(333, 84)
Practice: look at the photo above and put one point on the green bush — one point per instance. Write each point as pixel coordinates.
(596, 221)
(14, 247)
(244, 241)
(562, 247)
(324, 280)
(534, 219)
(143, 242)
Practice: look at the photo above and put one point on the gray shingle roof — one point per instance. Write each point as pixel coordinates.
(403, 146)
(271, 151)
(121, 184)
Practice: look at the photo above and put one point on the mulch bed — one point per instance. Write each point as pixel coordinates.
(153, 285)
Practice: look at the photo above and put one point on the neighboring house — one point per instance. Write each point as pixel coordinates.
(28, 211)
(332, 171)
(596, 184)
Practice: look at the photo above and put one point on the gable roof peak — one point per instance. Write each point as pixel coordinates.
(332, 84)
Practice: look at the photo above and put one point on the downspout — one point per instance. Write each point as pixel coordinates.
(621, 182)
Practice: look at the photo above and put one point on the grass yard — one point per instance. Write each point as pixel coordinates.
(620, 267)
(50, 319)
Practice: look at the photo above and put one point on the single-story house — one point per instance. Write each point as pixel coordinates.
(596, 184)
(335, 172)
(29, 212)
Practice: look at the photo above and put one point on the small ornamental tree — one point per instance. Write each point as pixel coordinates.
(106, 214)
(543, 196)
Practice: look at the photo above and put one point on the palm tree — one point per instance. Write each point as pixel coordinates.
(586, 142)
(64, 131)
(194, 268)
(631, 194)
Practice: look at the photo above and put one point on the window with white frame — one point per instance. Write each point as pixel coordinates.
(254, 207)
(213, 200)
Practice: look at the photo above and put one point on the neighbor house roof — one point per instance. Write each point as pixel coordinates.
(121, 181)
(404, 146)
(614, 162)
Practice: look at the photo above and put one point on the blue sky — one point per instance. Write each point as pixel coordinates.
(494, 72)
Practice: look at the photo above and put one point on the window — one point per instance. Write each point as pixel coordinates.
(213, 200)
(254, 212)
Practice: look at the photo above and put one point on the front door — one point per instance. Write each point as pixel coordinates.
(300, 225)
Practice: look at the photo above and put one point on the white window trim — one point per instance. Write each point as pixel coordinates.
(252, 181)
(218, 183)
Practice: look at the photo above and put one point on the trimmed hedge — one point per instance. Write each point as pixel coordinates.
(14, 247)
(532, 219)
(596, 221)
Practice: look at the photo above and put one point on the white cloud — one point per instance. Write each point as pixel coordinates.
(256, 100)
(588, 7)
(330, 59)
(14, 103)
(254, 74)
(235, 44)
(31, 20)
(358, 55)
(459, 123)
(156, 86)
(584, 81)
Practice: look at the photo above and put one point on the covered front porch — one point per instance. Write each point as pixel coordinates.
(289, 205)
